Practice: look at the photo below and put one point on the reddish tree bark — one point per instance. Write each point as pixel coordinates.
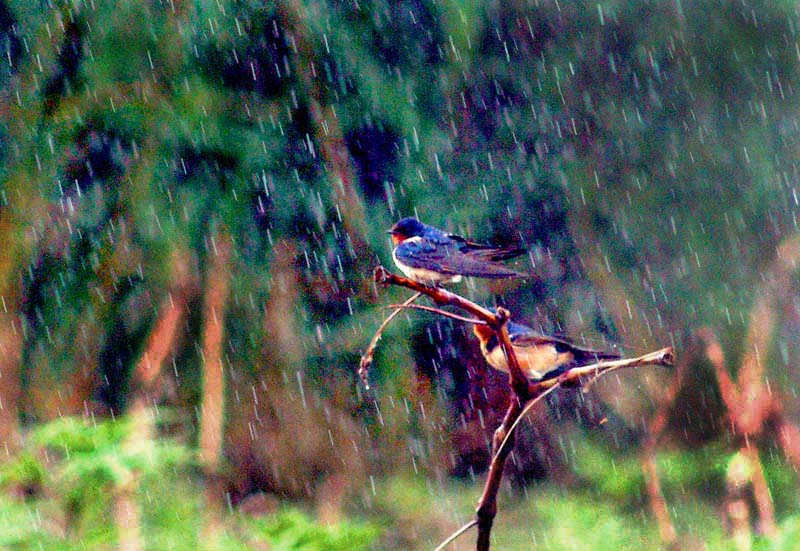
(10, 389)
(217, 284)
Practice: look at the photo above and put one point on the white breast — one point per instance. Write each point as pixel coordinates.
(496, 358)
(535, 361)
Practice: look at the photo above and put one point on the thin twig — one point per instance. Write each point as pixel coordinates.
(366, 359)
(660, 357)
(456, 534)
(496, 320)
(664, 357)
(435, 311)
(532, 402)
(437, 294)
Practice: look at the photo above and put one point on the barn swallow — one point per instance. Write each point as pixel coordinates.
(540, 357)
(430, 256)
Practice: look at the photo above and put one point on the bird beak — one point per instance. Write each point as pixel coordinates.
(391, 232)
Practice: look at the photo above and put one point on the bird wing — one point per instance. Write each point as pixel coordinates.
(493, 254)
(486, 252)
(447, 258)
(532, 338)
(420, 252)
(469, 264)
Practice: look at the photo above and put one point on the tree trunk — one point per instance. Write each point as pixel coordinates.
(10, 388)
(11, 339)
(128, 518)
(212, 408)
(146, 387)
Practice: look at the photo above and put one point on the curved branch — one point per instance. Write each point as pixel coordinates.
(504, 436)
(532, 402)
(452, 537)
(442, 313)
(439, 295)
(497, 321)
(366, 359)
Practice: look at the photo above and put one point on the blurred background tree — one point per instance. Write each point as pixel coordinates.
(193, 195)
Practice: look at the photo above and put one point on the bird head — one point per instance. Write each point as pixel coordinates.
(484, 332)
(406, 229)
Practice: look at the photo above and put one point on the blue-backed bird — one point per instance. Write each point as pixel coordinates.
(540, 356)
(430, 256)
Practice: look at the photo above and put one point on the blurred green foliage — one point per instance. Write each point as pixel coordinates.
(80, 466)
(293, 530)
(413, 513)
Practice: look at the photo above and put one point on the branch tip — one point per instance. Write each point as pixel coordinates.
(380, 275)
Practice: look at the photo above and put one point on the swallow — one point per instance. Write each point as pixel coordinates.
(430, 256)
(540, 356)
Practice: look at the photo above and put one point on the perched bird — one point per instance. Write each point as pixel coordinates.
(430, 256)
(540, 357)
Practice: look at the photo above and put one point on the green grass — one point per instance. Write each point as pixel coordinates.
(407, 513)
(606, 508)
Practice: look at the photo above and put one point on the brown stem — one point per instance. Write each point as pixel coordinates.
(655, 427)
(160, 342)
(658, 505)
(748, 407)
(763, 499)
(496, 321)
(789, 438)
(217, 287)
(439, 311)
(487, 504)
(455, 535)
(11, 346)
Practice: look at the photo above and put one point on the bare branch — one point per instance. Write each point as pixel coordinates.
(664, 357)
(497, 321)
(456, 534)
(526, 393)
(504, 436)
(437, 294)
(660, 357)
(532, 402)
(366, 359)
(444, 313)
